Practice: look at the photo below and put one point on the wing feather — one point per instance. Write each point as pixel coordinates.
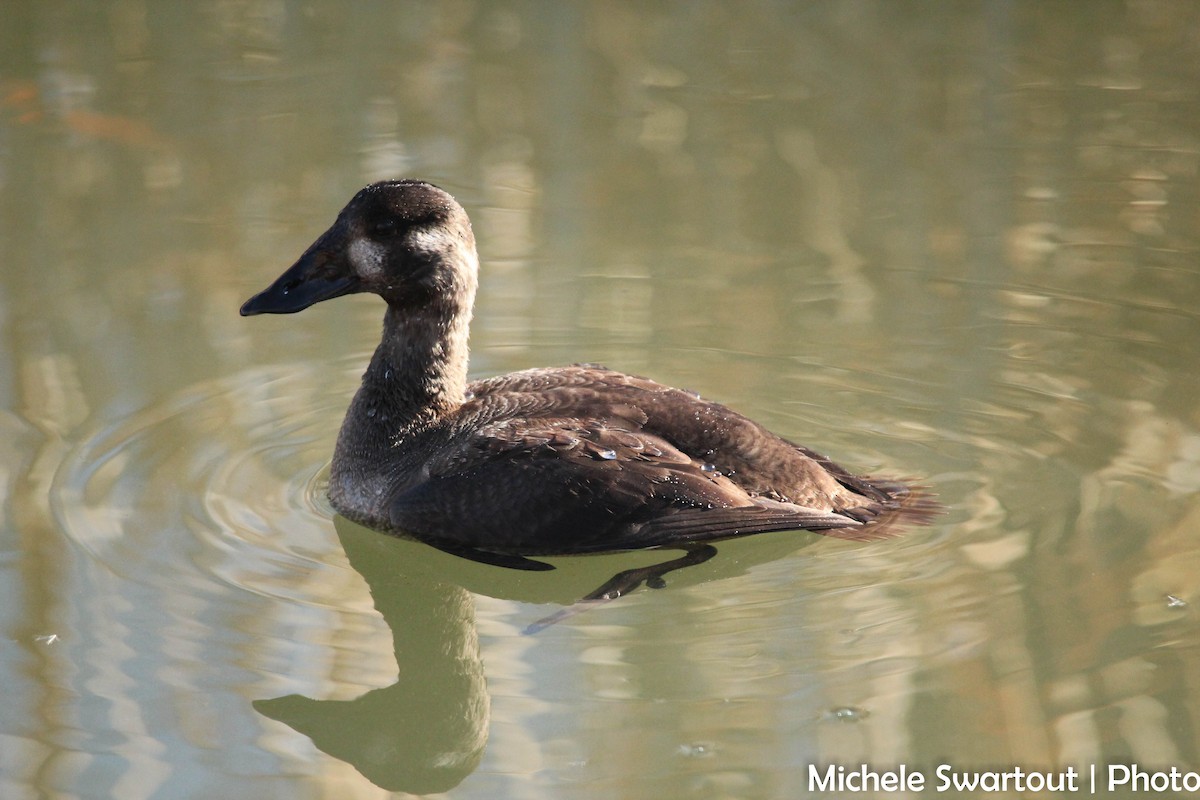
(584, 459)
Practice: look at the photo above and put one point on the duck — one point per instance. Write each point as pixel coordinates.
(547, 461)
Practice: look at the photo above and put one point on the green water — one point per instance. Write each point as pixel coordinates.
(952, 241)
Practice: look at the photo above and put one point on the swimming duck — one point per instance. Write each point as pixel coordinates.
(559, 460)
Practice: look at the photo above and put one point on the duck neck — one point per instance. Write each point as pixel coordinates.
(417, 376)
(419, 371)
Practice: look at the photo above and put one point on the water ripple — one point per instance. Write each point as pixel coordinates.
(227, 473)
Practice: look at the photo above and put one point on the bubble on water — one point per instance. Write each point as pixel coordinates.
(698, 750)
(846, 714)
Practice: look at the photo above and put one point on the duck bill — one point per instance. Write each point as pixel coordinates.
(318, 275)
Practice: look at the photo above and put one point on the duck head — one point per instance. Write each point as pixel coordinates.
(407, 241)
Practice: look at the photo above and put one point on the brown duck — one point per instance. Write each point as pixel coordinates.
(557, 460)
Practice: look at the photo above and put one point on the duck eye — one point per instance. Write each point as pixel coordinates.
(385, 227)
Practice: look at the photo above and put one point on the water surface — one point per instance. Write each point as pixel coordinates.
(954, 242)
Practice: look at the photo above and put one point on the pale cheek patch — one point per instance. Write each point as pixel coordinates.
(433, 242)
(367, 258)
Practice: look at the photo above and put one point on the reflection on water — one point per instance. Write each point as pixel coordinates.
(427, 731)
(958, 241)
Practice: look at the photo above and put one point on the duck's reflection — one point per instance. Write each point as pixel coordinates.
(427, 732)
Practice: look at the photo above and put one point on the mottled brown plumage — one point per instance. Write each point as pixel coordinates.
(547, 461)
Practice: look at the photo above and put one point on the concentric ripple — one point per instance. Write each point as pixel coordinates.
(227, 474)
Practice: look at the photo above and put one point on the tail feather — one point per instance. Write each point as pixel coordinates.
(908, 504)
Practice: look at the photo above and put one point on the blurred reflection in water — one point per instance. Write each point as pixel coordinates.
(426, 732)
(958, 240)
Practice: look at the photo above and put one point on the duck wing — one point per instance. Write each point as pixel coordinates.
(754, 458)
(564, 485)
(582, 459)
